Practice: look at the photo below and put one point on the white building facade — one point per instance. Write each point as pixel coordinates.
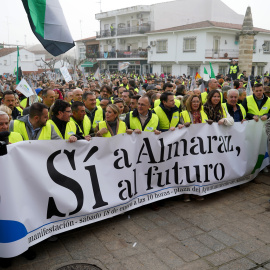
(188, 49)
(123, 33)
(8, 60)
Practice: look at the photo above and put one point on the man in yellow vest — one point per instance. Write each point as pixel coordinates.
(9, 101)
(66, 129)
(257, 105)
(35, 126)
(142, 118)
(212, 85)
(167, 112)
(237, 111)
(234, 69)
(80, 118)
(125, 82)
(94, 113)
(4, 126)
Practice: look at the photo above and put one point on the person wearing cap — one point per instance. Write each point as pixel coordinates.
(234, 69)
(257, 105)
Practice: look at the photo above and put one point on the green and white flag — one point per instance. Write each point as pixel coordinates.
(212, 72)
(49, 25)
(205, 75)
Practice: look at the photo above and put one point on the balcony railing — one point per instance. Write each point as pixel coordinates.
(221, 54)
(140, 29)
(123, 54)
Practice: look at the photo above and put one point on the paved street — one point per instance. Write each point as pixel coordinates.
(229, 230)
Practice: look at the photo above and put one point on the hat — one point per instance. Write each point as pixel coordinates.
(38, 90)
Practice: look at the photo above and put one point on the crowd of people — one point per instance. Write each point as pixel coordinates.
(121, 103)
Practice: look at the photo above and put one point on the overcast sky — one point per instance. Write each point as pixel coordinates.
(80, 16)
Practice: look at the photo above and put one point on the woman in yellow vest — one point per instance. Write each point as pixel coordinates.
(194, 112)
(112, 125)
(215, 111)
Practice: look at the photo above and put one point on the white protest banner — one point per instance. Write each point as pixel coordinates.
(74, 184)
(25, 88)
(123, 65)
(65, 74)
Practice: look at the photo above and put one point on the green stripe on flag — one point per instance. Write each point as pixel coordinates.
(37, 9)
(259, 163)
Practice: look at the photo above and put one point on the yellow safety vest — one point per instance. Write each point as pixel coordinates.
(98, 102)
(98, 116)
(253, 108)
(136, 124)
(15, 137)
(86, 125)
(70, 129)
(121, 129)
(46, 132)
(176, 101)
(233, 69)
(127, 87)
(186, 116)
(20, 110)
(205, 94)
(244, 113)
(163, 119)
(239, 77)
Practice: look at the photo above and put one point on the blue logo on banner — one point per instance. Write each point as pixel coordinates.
(11, 231)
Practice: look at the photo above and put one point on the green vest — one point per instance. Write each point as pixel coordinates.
(15, 137)
(233, 69)
(70, 129)
(98, 116)
(121, 129)
(253, 108)
(176, 101)
(46, 132)
(86, 125)
(205, 94)
(163, 119)
(244, 113)
(186, 116)
(136, 124)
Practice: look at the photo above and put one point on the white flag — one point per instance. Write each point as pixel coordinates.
(65, 74)
(25, 88)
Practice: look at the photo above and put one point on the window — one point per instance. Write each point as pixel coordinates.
(106, 26)
(192, 70)
(121, 25)
(189, 44)
(223, 70)
(166, 70)
(260, 70)
(162, 46)
(267, 46)
(82, 52)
